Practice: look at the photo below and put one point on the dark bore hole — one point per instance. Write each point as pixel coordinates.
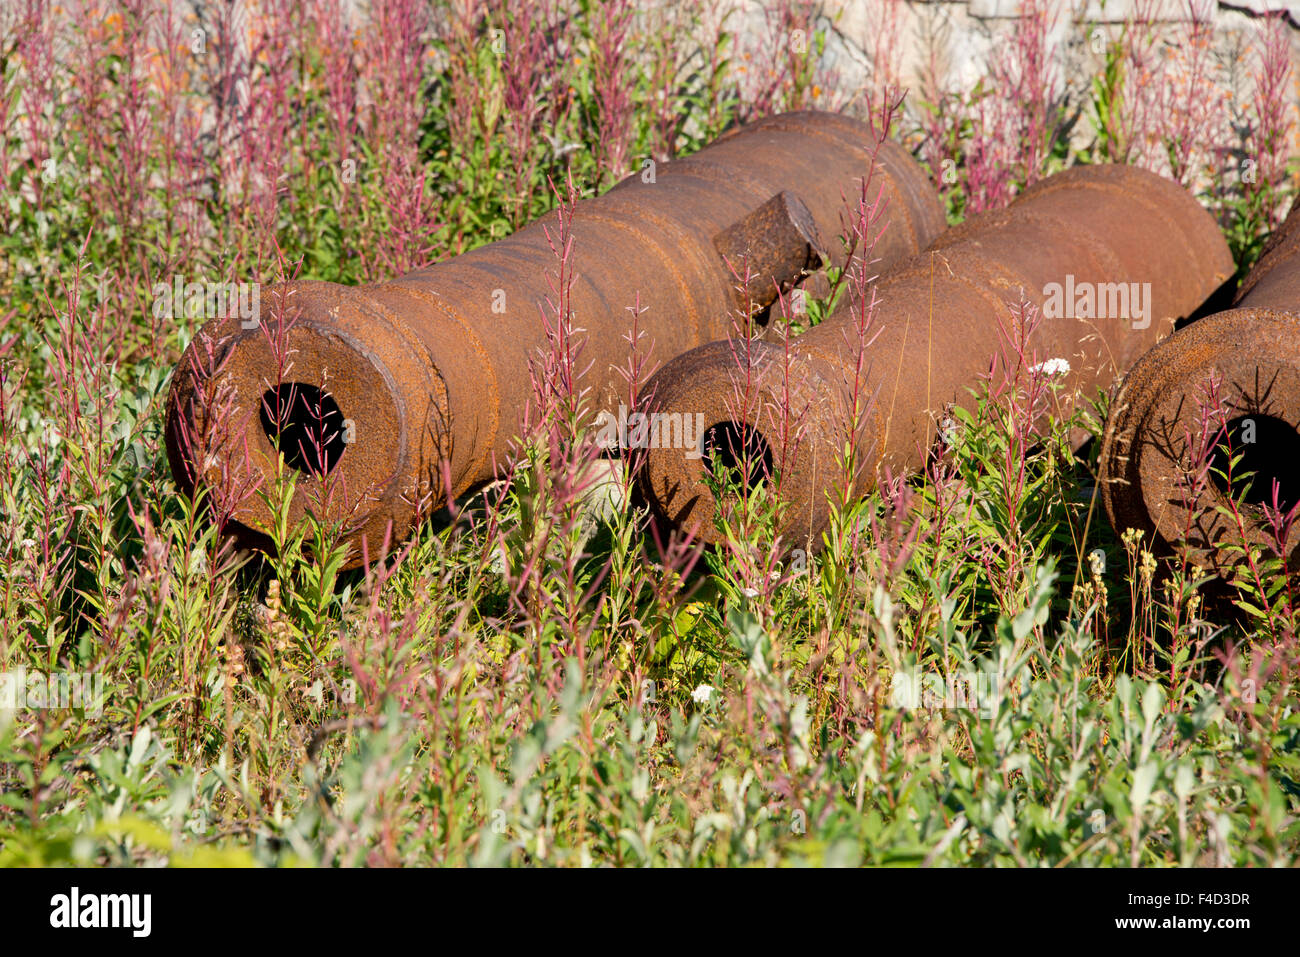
(306, 424)
(1270, 452)
(738, 453)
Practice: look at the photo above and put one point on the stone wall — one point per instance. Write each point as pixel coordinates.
(961, 35)
(941, 49)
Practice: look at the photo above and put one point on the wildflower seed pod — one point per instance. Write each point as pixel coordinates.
(1073, 245)
(388, 397)
(1224, 388)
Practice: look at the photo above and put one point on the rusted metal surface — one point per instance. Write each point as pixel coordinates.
(934, 333)
(431, 370)
(1156, 439)
(779, 239)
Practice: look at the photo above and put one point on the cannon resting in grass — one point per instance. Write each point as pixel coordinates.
(1203, 440)
(388, 398)
(1113, 256)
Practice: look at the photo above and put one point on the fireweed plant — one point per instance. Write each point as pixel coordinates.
(969, 667)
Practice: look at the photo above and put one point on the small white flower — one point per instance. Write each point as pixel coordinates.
(702, 694)
(749, 592)
(1052, 367)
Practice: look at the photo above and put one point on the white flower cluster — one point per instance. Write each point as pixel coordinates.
(1052, 367)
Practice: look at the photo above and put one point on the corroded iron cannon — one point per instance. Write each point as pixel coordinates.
(1113, 255)
(1166, 426)
(396, 394)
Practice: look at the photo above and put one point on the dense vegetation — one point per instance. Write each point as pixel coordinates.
(972, 670)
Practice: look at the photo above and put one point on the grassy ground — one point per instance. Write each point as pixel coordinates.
(974, 670)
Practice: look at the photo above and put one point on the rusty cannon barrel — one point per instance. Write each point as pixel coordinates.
(1157, 441)
(1074, 244)
(397, 384)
